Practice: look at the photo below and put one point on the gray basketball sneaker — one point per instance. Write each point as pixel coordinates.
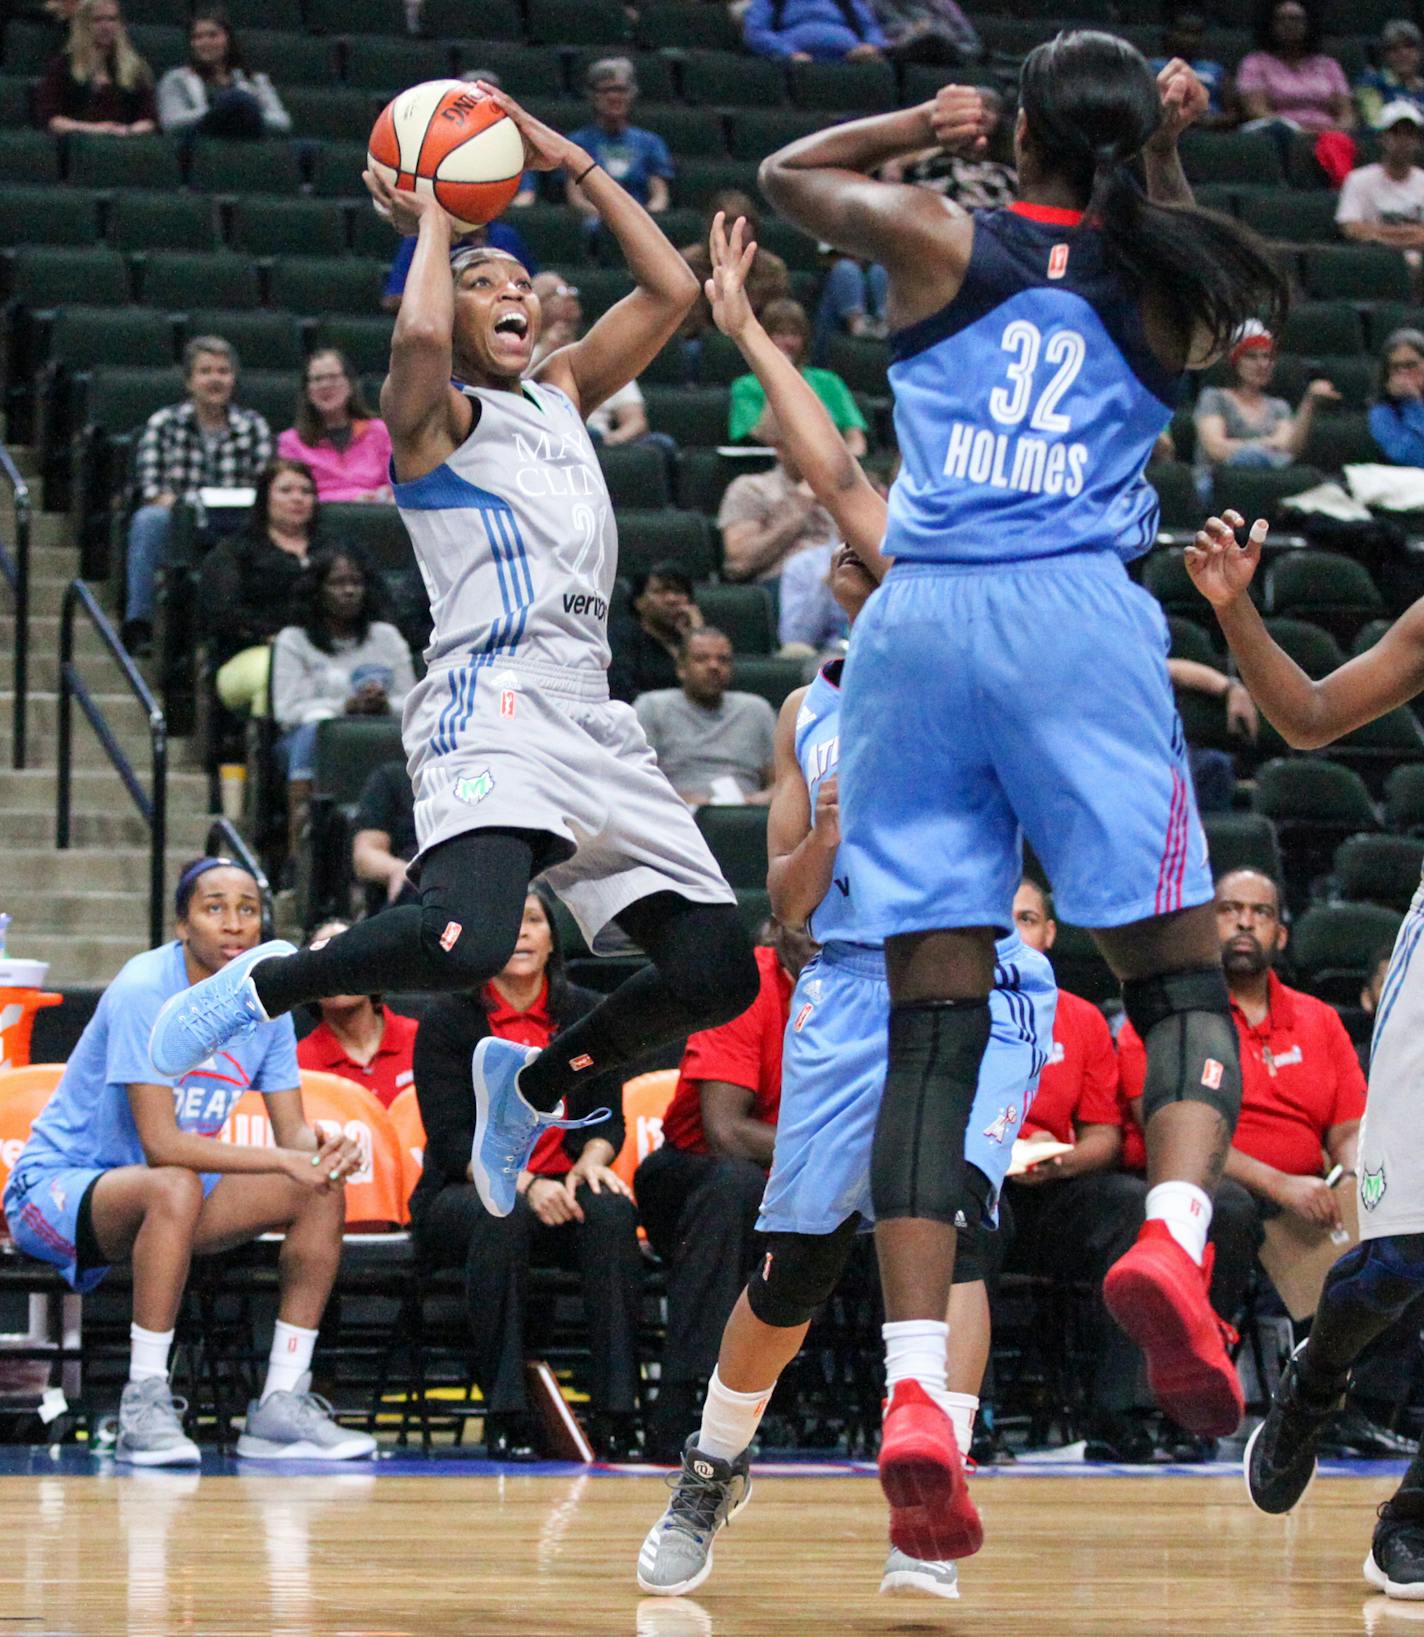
(907, 1576)
(151, 1426)
(299, 1426)
(707, 1493)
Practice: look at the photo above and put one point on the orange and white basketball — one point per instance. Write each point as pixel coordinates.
(444, 138)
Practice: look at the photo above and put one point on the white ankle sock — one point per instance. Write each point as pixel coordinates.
(290, 1358)
(730, 1420)
(961, 1408)
(1187, 1212)
(148, 1352)
(915, 1351)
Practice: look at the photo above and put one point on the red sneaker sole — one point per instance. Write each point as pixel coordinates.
(931, 1514)
(1200, 1394)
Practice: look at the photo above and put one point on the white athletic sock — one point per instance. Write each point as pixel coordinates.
(289, 1360)
(148, 1352)
(730, 1420)
(961, 1408)
(1187, 1212)
(915, 1351)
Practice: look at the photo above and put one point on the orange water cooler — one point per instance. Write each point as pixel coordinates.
(21, 996)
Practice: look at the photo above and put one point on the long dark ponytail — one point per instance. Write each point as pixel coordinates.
(1091, 103)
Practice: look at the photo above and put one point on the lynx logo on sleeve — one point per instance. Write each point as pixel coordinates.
(999, 1130)
(1372, 1186)
(473, 788)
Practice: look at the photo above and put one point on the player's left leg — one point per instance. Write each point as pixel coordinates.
(287, 1421)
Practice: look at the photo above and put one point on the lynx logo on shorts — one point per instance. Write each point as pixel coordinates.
(1058, 261)
(473, 788)
(1372, 1186)
(450, 936)
(802, 1015)
(998, 1131)
(1211, 1074)
(57, 1193)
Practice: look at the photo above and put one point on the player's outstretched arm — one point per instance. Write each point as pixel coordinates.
(818, 449)
(1184, 101)
(1306, 714)
(800, 844)
(621, 344)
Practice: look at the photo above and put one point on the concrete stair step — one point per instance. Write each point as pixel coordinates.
(120, 913)
(44, 635)
(59, 561)
(42, 749)
(118, 826)
(88, 960)
(96, 788)
(46, 595)
(48, 530)
(98, 668)
(43, 869)
(125, 715)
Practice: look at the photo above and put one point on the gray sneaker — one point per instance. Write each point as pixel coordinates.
(707, 1493)
(299, 1426)
(907, 1576)
(151, 1426)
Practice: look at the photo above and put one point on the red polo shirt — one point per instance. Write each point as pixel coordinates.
(1299, 1077)
(386, 1075)
(1079, 1085)
(745, 1052)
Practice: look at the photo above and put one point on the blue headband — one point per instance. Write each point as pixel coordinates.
(197, 869)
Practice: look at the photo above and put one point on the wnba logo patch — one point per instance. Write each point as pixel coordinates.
(506, 702)
(581, 1062)
(450, 936)
(1211, 1074)
(1058, 261)
(802, 1015)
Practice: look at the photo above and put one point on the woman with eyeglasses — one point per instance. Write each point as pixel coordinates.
(337, 434)
(1397, 418)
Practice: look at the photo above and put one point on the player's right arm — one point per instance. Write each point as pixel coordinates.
(800, 844)
(1305, 713)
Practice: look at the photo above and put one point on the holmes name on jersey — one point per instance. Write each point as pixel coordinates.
(554, 464)
(1004, 460)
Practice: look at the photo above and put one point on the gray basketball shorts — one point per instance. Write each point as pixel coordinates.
(535, 749)
(1391, 1162)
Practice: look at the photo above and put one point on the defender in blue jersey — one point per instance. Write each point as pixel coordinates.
(123, 1165)
(833, 1063)
(1008, 679)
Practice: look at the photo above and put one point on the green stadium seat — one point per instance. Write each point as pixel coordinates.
(370, 235)
(770, 677)
(1360, 273)
(248, 15)
(1079, 967)
(154, 11)
(290, 58)
(636, 475)
(1164, 574)
(1385, 317)
(721, 362)
(737, 838)
(162, 221)
(1404, 800)
(349, 749)
(1322, 327)
(270, 167)
(694, 416)
(698, 181)
(649, 535)
(1302, 218)
(861, 363)
(386, 17)
(703, 476)
(288, 227)
(83, 338)
(754, 907)
(1310, 646)
(524, 70)
(601, 288)
(331, 113)
(365, 341)
(743, 612)
(1242, 841)
(1379, 870)
(1259, 491)
(1378, 747)
(29, 46)
(336, 174)
(865, 88)
(756, 132)
(1314, 805)
(555, 235)
(264, 340)
(375, 530)
(1176, 488)
(728, 79)
(271, 392)
(602, 23)
(1354, 377)
(450, 19)
(29, 157)
(43, 277)
(693, 28)
(1333, 946)
(391, 65)
(1334, 592)
(180, 279)
(1222, 197)
(309, 284)
(1190, 641)
(160, 45)
(121, 400)
(691, 132)
(136, 162)
(668, 368)
(919, 82)
(68, 216)
(1369, 634)
(1212, 156)
(797, 249)
(1015, 37)
(1204, 721)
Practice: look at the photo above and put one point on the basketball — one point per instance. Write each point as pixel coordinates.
(444, 138)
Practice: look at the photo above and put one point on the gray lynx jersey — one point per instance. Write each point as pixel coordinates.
(516, 542)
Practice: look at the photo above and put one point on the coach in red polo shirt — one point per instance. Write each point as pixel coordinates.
(699, 1193)
(1302, 1090)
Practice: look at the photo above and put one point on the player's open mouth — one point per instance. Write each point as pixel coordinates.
(511, 324)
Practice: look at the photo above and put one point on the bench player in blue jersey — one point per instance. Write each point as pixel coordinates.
(1008, 679)
(521, 764)
(123, 1165)
(833, 1066)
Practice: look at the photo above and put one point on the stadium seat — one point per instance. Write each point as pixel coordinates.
(162, 221)
(121, 400)
(1369, 634)
(1360, 273)
(1404, 800)
(239, 168)
(386, 17)
(1354, 376)
(42, 277)
(602, 23)
(1190, 641)
(387, 65)
(1314, 805)
(331, 113)
(365, 341)
(1302, 218)
(1379, 870)
(29, 46)
(645, 1102)
(737, 837)
(285, 15)
(798, 250)
(693, 28)
(309, 284)
(348, 750)
(264, 340)
(1204, 721)
(271, 392)
(136, 162)
(861, 363)
(1377, 747)
(336, 174)
(82, 338)
(743, 612)
(636, 475)
(699, 181)
(1259, 491)
(694, 416)
(288, 57)
(1322, 327)
(721, 362)
(1176, 488)
(524, 70)
(288, 227)
(862, 88)
(1334, 592)
(30, 157)
(696, 133)
(647, 536)
(555, 235)
(772, 678)
(1342, 437)
(756, 132)
(724, 78)
(657, 84)
(754, 907)
(1210, 156)
(450, 19)
(1242, 841)
(59, 216)
(161, 45)
(1164, 574)
(181, 280)
(1309, 645)
(1385, 317)
(1333, 946)
(375, 530)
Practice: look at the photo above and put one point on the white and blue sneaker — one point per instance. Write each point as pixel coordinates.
(506, 1128)
(918, 1577)
(196, 1021)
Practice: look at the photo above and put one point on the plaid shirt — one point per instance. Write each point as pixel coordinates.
(173, 456)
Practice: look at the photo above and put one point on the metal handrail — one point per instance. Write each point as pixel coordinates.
(225, 840)
(152, 805)
(16, 571)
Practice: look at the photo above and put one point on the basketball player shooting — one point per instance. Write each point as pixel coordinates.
(520, 763)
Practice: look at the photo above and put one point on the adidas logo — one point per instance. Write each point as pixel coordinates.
(703, 1469)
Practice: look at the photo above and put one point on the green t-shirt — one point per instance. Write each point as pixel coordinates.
(749, 399)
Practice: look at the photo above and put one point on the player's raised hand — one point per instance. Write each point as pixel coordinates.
(1184, 101)
(732, 257)
(958, 120)
(1220, 566)
(544, 148)
(404, 211)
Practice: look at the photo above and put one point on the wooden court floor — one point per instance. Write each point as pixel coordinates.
(367, 1555)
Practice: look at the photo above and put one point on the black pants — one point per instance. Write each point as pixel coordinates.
(700, 1213)
(1238, 1232)
(497, 1253)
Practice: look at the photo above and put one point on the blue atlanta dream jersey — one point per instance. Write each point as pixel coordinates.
(1026, 409)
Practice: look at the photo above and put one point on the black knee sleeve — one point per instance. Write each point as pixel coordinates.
(797, 1273)
(917, 1163)
(972, 1255)
(462, 953)
(1184, 1021)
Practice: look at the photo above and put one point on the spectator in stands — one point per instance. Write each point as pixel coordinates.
(647, 639)
(1399, 79)
(803, 31)
(984, 182)
(340, 660)
(767, 279)
(809, 619)
(767, 517)
(212, 94)
(786, 323)
(248, 581)
(572, 1209)
(337, 434)
(1384, 203)
(385, 841)
(1241, 425)
(928, 31)
(204, 442)
(1183, 36)
(639, 160)
(99, 85)
(714, 745)
(1287, 79)
(853, 297)
(700, 1192)
(360, 1038)
(560, 315)
(1397, 417)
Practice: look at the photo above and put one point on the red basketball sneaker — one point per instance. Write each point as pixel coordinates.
(1158, 1295)
(931, 1514)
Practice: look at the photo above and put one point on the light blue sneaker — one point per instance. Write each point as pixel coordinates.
(506, 1128)
(196, 1021)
